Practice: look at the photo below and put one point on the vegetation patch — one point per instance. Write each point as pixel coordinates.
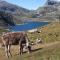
(49, 33)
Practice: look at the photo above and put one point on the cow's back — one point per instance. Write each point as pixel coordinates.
(14, 37)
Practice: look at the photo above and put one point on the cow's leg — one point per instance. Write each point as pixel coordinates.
(28, 47)
(6, 50)
(21, 49)
(9, 52)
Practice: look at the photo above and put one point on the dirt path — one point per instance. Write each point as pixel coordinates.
(37, 46)
(15, 49)
(45, 45)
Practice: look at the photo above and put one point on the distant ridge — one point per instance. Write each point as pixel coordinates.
(14, 10)
(8, 7)
(52, 2)
(6, 19)
(50, 11)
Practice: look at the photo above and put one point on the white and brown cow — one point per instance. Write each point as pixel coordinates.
(12, 37)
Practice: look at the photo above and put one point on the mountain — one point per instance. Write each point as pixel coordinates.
(16, 10)
(6, 20)
(50, 11)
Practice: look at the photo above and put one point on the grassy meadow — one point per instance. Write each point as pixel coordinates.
(50, 50)
(49, 33)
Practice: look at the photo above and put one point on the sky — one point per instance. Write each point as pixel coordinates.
(28, 4)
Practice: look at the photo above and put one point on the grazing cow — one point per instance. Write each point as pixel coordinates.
(10, 38)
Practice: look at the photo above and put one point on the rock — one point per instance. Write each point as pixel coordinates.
(38, 40)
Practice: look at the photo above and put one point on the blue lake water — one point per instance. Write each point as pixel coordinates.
(28, 26)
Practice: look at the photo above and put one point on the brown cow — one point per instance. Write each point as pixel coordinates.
(9, 38)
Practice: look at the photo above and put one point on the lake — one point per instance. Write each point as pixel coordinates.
(28, 26)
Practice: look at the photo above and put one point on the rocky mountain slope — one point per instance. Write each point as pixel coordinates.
(10, 8)
(13, 10)
(51, 11)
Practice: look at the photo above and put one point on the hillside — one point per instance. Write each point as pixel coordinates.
(50, 11)
(49, 33)
(14, 9)
(6, 20)
(49, 50)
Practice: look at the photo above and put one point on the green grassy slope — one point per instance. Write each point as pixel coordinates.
(49, 33)
(51, 52)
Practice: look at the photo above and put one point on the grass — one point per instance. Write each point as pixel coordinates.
(51, 52)
(50, 34)
(3, 30)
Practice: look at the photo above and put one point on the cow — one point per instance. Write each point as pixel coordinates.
(10, 38)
